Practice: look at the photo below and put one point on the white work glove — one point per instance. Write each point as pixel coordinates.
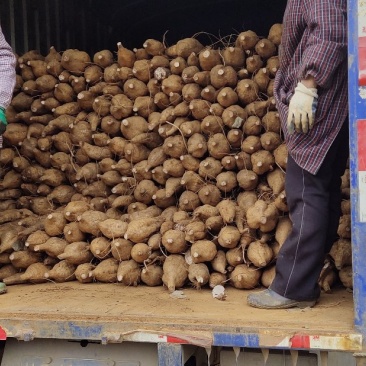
(302, 107)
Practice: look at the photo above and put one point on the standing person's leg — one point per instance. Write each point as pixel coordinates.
(302, 255)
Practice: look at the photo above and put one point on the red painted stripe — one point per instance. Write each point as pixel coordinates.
(300, 341)
(171, 339)
(2, 334)
(361, 136)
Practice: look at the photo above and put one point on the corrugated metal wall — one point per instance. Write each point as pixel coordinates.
(93, 25)
(40, 24)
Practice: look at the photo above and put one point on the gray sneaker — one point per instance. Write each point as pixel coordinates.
(268, 299)
(2, 288)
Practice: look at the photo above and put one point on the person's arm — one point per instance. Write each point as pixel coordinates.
(7, 72)
(326, 47)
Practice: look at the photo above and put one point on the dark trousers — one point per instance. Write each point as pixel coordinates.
(314, 207)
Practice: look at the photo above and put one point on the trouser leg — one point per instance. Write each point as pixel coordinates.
(312, 201)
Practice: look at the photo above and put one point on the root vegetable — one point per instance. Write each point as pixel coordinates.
(148, 212)
(95, 152)
(174, 241)
(203, 251)
(35, 273)
(139, 230)
(162, 199)
(270, 140)
(37, 237)
(75, 209)
(234, 56)
(327, 277)
(219, 262)
(276, 180)
(346, 276)
(194, 231)
(218, 146)
(247, 91)
(205, 211)
(8, 240)
(54, 224)
(189, 162)
(8, 273)
(262, 216)
(154, 241)
(41, 205)
(344, 227)
(226, 181)
(175, 272)
(106, 271)
(198, 275)
(188, 201)
(275, 33)
(72, 232)
(245, 277)
(227, 210)
(76, 253)
(259, 254)
(24, 258)
(89, 221)
(247, 179)
(265, 48)
(247, 40)
(341, 252)
(262, 161)
(222, 76)
(121, 249)
(229, 237)
(210, 195)
(151, 275)
(14, 214)
(75, 61)
(54, 246)
(129, 273)
(52, 177)
(281, 202)
(61, 272)
(185, 47)
(172, 186)
(83, 272)
(268, 275)
(254, 63)
(112, 228)
(235, 256)
(283, 229)
(216, 279)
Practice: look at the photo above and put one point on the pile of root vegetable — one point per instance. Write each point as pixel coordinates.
(158, 165)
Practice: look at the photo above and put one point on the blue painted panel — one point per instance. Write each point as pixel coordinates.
(170, 354)
(236, 340)
(357, 107)
(78, 331)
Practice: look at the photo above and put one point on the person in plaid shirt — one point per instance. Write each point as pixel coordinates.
(311, 91)
(7, 83)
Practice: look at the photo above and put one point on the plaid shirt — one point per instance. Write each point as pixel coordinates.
(7, 73)
(314, 42)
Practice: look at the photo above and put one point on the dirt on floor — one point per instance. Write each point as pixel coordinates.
(145, 307)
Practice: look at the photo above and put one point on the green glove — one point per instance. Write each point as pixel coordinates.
(3, 122)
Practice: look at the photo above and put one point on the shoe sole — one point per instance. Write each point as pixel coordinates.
(299, 304)
(3, 292)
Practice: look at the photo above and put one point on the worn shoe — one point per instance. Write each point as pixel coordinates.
(2, 288)
(268, 299)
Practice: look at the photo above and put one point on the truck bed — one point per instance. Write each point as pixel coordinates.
(115, 313)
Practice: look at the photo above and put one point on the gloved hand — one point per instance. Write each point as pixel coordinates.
(3, 122)
(302, 107)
